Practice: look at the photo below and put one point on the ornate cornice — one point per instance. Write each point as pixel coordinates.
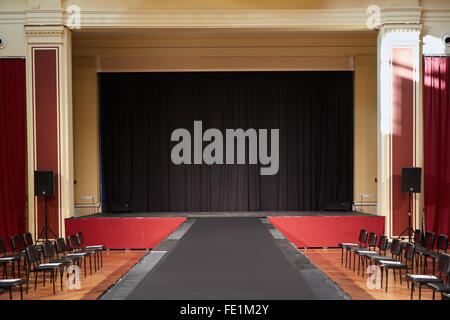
(393, 28)
(45, 34)
(398, 15)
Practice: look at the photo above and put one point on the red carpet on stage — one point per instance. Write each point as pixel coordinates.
(326, 231)
(124, 233)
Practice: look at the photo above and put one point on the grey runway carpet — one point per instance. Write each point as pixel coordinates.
(224, 258)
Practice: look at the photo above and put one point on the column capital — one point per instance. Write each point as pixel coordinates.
(395, 28)
(45, 34)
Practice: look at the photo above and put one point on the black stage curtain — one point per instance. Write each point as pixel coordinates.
(312, 110)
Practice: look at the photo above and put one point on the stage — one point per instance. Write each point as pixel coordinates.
(255, 214)
(145, 230)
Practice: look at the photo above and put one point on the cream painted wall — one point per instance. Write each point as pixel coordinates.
(365, 134)
(85, 117)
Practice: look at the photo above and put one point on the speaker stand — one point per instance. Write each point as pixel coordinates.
(408, 228)
(46, 228)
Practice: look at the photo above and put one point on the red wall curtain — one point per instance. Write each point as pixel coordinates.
(12, 147)
(437, 144)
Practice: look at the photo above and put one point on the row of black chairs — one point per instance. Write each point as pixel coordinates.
(53, 257)
(403, 256)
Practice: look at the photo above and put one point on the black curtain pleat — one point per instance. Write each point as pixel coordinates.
(312, 110)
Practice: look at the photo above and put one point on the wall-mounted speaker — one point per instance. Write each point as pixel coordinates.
(411, 179)
(44, 183)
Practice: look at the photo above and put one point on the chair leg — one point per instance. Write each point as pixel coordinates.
(342, 255)
(359, 263)
(53, 278)
(61, 276)
(354, 261)
(44, 278)
(21, 293)
(434, 295)
(101, 255)
(382, 275)
(346, 258)
(35, 280)
(412, 290)
(363, 265)
(90, 265)
(387, 276)
(400, 272)
(434, 262)
(420, 291)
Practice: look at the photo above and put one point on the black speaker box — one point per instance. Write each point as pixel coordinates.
(44, 183)
(118, 207)
(339, 206)
(411, 179)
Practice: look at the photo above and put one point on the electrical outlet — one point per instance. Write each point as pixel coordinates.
(87, 197)
(365, 196)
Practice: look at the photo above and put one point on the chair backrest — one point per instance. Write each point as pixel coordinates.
(17, 243)
(396, 248)
(27, 239)
(372, 240)
(32, 254)
(80, 240)
(2, 246)
(409, 252)
(444, 263)
(72, 242)
(383, 243)
(48, 249)
(362, 238)
(429, 239)
(442, 243)
(60, 245)
(417, 236)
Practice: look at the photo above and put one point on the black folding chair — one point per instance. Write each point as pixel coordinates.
(441, 247)
(396, 251)
(18, 248)
(435, 283)
(36, 267)
(426, 246)
(12, 283)
(61, 249)
(371, 244)
(96, 249)
(72, 243)
(7, 259)
(445, 296)
(386, 265)
(347, 246)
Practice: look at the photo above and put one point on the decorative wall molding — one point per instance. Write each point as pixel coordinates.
(399, 15)
(45, 34)
(394, 28)
(302, 19)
